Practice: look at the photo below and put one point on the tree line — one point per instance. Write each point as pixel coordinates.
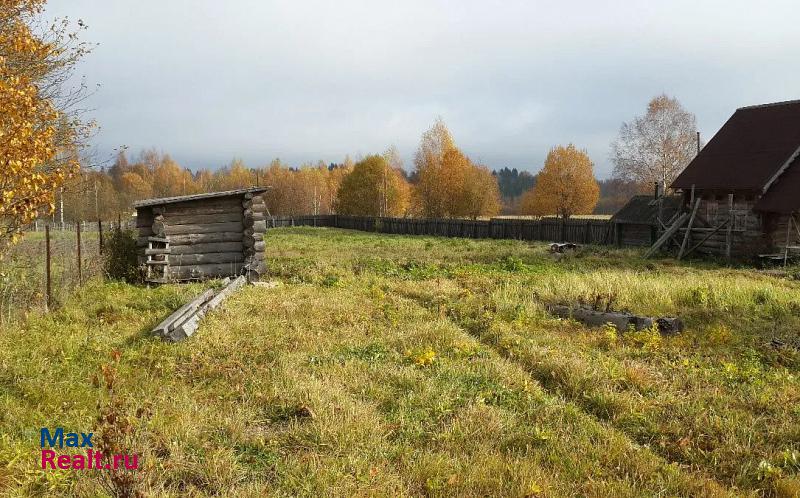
(443, 183)
(43, 135)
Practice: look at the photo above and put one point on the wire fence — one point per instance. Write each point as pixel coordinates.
(74, 257)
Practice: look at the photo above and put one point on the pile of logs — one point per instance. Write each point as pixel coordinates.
(185, 320)
(620, 320)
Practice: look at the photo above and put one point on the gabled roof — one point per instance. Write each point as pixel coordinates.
(197, 197)
(783, 195)
(643, 210)
(750, 150)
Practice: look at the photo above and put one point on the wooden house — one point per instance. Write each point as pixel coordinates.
(195, 237)
(637, 222)
(741, 193)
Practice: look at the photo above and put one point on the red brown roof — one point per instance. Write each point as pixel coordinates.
(783, 195)
(748, 152)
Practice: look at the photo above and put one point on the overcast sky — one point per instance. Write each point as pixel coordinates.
(210, 80)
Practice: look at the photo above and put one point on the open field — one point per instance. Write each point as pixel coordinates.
(418, 366)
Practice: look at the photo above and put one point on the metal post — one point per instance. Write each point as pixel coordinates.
(100, 234)
(80, 266)
(48, 286)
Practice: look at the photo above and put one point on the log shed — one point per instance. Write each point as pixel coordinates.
(202, 236)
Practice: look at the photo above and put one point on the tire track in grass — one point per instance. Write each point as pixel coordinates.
(584, 405)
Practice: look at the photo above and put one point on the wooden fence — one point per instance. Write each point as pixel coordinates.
(579, 231)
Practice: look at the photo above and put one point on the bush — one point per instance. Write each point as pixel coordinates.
(119, 256)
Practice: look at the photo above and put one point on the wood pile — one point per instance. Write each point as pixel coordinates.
(622, 321)
(185, 320)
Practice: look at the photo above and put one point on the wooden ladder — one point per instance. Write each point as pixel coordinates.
(157, 253)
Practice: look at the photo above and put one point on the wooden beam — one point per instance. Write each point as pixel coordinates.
(231, 226)
(689, 228)
(667, 235)
(708, 236)
(162, 328)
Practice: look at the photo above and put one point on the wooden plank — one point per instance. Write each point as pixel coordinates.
(200, 272)
(162, 328)
(192, 321)
(667, 235)
(205, 259)
(210, 206)
(689, 229)
(205, 238)
(154, 251)
(201, 219)
(708, 236)
(207, 248)
(232, 226)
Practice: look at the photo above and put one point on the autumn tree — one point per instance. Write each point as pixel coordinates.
(566, 185)
(655, 147)
(448, 184)
(373, 188)
(40, 134)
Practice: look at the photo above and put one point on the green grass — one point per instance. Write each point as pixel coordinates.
(419, 366)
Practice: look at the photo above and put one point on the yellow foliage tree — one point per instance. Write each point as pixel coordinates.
(448, 183)
(37, 142)
(566, 185)
(373, 188)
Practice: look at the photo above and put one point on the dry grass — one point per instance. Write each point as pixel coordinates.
(415, 366)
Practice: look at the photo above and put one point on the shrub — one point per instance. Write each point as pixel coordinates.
(119, 261)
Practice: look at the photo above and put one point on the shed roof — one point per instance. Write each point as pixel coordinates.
(643, 210)
(754, 146)
(197, 197)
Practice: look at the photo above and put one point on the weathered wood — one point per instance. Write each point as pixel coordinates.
(231, 226)
(203, 208)
(162, 328)
(206, 259)
(254, 205)
(259, 227)
(157, 250)
(200, 219)
(729, 235)
(623, 322)
(207, 248)
(708, 236)
(158, 226)
(667, 234)
(191, 322)
(200, 272)
(689, 229)
(260, 246)
(205, 238)
(259, 215)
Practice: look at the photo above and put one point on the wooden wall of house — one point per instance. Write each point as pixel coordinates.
(634, 235)
(746, 231)
(778, 232)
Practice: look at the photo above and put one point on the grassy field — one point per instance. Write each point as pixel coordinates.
(417, 366)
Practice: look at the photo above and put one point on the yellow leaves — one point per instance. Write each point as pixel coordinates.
(450, 185)
(373, 188)
(422, 357)
(27, 124)
(565, 186)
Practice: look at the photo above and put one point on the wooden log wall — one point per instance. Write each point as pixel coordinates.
(255, 225)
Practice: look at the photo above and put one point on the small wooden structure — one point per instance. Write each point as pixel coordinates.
(742, 191)
(202, 236)
(639, 222)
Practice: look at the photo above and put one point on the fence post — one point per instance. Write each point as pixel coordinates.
(100, 234)
(48, 292)
(80, 268)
